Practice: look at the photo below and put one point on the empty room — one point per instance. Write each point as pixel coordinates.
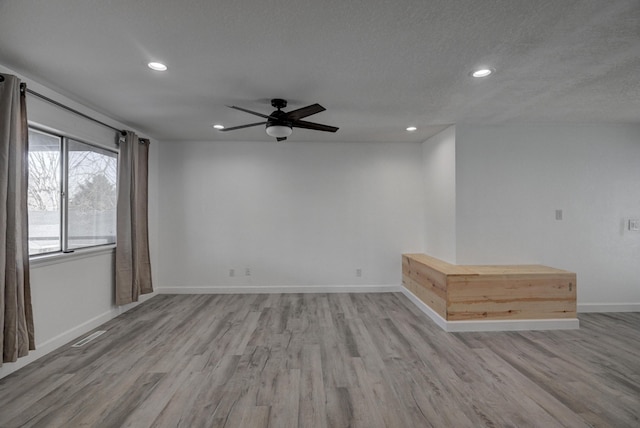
(328, 213)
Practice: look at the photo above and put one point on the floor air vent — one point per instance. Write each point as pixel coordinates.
(88, 339)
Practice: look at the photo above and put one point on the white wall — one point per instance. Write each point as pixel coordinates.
(511, 179)
(295, 214)
(68, 294)
(439, 169)
(74, 292)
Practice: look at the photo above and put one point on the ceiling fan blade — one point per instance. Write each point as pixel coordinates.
(305, 111)
(252, 112)
(281, 138)
(315, 126)
(242, 126)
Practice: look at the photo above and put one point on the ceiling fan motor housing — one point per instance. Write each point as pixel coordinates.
(280, 119)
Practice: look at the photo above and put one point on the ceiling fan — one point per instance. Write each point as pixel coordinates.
(280, 124)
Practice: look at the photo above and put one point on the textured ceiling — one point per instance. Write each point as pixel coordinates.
(378, 66)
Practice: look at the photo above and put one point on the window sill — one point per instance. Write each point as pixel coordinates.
(57, 258)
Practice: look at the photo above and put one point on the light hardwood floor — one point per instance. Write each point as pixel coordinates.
(327, 360)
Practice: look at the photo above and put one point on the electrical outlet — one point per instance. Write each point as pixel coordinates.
(358, 273)
(247, 272)
(232, 272)
(558, 214)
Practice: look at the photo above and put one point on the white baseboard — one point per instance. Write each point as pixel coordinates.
(435, 317)
(514, 325)
(608, 307)
(279, 289)
(491, 325)
(54, 343)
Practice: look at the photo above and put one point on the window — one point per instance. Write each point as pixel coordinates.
(72, 194)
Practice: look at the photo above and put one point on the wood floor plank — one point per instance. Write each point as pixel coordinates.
(327, 360)
(13, 406)
(285, 402)
(313, 412)
(510, 380)
(149, 410)
(256, 417)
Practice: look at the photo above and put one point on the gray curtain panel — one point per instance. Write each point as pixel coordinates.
(16, 317)
(133, 267)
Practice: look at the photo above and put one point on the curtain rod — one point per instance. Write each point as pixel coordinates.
(54, 102)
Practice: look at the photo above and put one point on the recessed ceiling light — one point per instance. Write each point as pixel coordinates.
(157, 66)
(218, 126)
(411, 128)
(482, 72)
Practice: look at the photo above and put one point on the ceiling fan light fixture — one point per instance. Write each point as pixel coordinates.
(279, 131)
(157, 66)
(482, 72)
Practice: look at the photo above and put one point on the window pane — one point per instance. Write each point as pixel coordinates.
(92, 195)
(44, 193)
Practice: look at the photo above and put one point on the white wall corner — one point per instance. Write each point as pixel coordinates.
(439, 194)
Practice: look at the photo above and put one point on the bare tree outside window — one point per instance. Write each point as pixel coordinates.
(44, 192)
(92, 195)
(87, 196)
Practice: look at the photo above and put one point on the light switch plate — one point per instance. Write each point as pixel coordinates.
(634, 225)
